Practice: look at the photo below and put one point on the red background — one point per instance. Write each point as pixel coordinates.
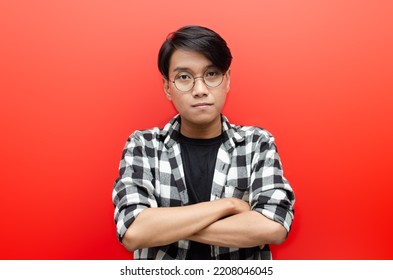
(77, 77)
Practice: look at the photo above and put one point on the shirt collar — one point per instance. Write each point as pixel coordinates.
(171, 131)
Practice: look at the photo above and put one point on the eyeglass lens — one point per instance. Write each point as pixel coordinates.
(184, 81)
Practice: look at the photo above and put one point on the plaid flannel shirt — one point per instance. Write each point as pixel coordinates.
(247, 167)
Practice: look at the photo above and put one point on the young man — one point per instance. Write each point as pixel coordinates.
(200, 188)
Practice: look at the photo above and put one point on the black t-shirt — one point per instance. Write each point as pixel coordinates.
(199, 160)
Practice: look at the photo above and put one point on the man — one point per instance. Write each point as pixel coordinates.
(200, 188)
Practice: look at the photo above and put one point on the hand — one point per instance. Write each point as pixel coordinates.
(239, 205)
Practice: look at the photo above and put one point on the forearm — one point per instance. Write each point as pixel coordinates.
(244, 230)
(162, 226)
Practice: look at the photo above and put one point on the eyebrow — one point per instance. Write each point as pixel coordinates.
(188, 69)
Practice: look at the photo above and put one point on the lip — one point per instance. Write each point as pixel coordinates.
(201, 105)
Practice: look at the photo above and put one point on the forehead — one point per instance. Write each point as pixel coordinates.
(185, 60)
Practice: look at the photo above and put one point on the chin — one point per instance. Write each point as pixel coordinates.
(203, 121)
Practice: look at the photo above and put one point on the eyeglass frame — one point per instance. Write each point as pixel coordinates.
(200, 77)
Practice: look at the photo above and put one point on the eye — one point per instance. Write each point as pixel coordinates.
(183, 76)
(212, 73)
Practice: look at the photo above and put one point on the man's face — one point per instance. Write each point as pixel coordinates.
(201, 106)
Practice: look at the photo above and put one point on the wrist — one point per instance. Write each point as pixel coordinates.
(223, 207)
(230, 206)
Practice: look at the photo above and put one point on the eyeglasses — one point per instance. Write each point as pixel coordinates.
(212, 78)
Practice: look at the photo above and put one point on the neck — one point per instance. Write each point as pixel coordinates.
(201, 131)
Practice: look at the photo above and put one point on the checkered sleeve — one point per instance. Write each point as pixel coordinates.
(133, 189)
(270, 194)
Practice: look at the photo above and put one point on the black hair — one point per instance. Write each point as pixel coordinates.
(199, 39)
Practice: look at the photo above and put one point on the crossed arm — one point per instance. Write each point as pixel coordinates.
(227, 222)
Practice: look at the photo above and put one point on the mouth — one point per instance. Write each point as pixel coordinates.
(201, 105)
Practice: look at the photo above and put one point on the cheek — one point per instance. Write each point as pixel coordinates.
(221, 99)
(179, 103)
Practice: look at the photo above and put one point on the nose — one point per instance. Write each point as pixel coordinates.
(200, 88)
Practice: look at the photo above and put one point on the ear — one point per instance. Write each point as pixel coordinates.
(166, 89)
(228, 74)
